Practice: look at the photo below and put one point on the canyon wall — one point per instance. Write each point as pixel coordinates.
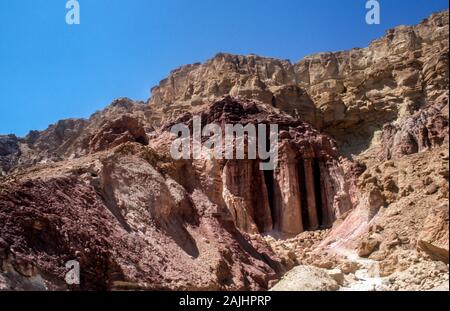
(363, 151)
(349, 94)
(306, 191)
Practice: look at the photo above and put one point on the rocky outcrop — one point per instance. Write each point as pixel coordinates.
(128, 225)
(9, 153)
(122, 121)
(434, 237)
(363, 163)
(54, 144)
(349, 94)
(246, 195)
(116, 132)
(307, 189)
(189, 215)
(307, 278)
(427, 128)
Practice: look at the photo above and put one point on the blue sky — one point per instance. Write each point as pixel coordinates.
(50, 70)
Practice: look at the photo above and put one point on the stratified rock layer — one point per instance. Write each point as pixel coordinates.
(348, 94)
(128, 225)
(363, 153)
(306, 190)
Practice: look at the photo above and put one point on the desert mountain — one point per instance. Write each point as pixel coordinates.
(360, 192)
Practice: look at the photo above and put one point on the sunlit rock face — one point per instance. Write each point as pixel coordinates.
(362, 169)
(305, 191)
(192, 213)
(348, 94)
(424, 130)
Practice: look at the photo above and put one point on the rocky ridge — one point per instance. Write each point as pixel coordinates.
(359, 89)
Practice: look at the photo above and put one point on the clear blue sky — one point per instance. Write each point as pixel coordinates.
(50, 70)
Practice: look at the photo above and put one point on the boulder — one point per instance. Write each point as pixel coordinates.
(307, 278)
(433, 239)
(337, 275)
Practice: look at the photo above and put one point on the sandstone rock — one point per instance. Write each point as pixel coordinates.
(119, 131)
(306, 183)
(425, 129)
(332, 91)
(396, 76)
(444, 287)
(431, 189)
(9, 153)
(324, 264)
(367, 247)
(349, 267)
(128, 225)
(434, 237)
(388, 266)
(337, 275)
(362, 139)
(245, 193)
(306, 278)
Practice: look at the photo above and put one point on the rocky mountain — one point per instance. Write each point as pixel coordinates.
(359, 89)
(360, 194)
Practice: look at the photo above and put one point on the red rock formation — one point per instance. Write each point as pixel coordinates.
(287, 198)
(116, 132)
(307, 189)
(426, 129)
(129, 227)
(433, 239)
(92, 190)
(9, 153)
(313, 205)
(245, 194)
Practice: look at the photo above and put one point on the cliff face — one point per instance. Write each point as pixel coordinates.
(349, 94)
(127, 212)
(362, 172)
(306, 191)
(9, 153)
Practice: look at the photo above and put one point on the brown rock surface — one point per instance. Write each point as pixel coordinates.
(359, 89)
(9, 153)
(363, 170)
(307, 278)
(281, 200)
(434, 237)
(129, 226)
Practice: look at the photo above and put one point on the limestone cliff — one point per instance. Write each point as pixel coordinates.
(349, 94)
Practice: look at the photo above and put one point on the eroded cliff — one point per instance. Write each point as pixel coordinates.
(361, 184)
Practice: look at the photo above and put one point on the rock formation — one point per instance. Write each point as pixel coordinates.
(349, 94)
(9, 153)
(129, 226)
(306, 190)
(362, 173)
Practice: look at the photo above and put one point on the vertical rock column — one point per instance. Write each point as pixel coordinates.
(246, 196)
(326, 193)
(287, 200)
(310, 183)
(237, 194)
(261, 211)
